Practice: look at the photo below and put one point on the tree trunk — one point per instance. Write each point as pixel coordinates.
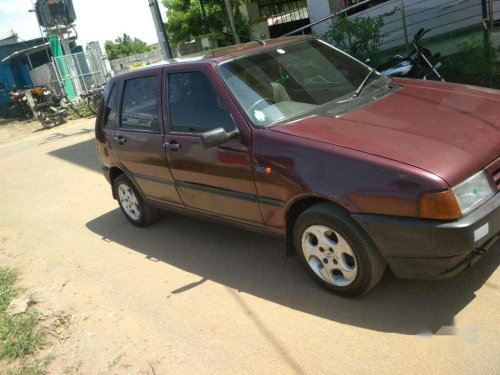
(231, 20)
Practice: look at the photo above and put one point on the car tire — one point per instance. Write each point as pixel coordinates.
(133, 206)
(336, 252)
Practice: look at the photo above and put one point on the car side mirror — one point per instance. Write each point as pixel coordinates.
(217, 136)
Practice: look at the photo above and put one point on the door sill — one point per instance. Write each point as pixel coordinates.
(220, 219)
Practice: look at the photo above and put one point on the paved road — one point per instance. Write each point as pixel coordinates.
(187, 296)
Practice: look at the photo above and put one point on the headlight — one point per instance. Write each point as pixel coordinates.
(453, 203)
(473, 191)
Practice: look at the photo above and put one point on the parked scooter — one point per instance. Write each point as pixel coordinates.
(48, 115)
(420, 63)
(19, 103)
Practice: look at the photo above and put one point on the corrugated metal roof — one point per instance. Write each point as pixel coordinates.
(26, 50)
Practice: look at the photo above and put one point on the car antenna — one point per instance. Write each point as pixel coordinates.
(260, 41)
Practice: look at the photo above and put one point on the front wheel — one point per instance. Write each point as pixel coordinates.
(336, 251)
(47, 121)
(131, 203)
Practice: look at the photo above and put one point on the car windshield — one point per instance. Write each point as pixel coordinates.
(291, 79)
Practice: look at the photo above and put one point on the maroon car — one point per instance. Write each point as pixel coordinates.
(292, 136)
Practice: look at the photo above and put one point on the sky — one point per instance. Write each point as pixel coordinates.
(95, 20)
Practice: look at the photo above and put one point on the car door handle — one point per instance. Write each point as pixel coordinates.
(120, 139)
(172, 145)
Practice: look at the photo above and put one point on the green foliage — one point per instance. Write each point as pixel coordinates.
(359, 37)
(477, 55)
(125, 46)
(37, 367)
(8, 289)
(19, 336)
(473, 64)
(185, 20)
(83, 109)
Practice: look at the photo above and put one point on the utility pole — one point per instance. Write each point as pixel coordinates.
(403, 19)
(160, 29)
(490, 16)
(230, 13)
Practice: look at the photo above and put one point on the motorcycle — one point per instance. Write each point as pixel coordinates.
(42, 94)
(19, 103)
(93, 98)
(420, 63)
(49, 115)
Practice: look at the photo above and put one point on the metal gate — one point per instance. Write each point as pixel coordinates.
(79, 72)
(284, 16)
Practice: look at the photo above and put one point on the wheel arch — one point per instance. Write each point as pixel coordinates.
(114, 172)
(295, 208)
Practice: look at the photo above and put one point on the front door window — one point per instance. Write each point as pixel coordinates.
(194, 105)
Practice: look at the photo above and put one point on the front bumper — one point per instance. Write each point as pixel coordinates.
(428, 249)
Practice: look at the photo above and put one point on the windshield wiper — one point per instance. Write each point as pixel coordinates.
(363, 84)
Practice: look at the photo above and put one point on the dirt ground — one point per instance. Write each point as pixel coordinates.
(12, 130)
(188, 296)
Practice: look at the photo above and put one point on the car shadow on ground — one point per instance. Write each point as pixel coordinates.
(83, 153)
(256, 264)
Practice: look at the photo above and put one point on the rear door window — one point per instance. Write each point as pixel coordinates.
(111, 109)
(140, 105)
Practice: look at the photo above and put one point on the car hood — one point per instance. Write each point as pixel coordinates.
(450, 130)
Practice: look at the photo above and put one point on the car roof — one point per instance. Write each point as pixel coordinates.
(227, 53)
(219, 55)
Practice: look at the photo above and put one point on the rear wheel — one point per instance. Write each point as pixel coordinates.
(336, 251)
(131, 203)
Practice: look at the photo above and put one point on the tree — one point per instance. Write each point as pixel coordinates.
(125, 46)
(359, 37)
(185, 21)
(230, 14)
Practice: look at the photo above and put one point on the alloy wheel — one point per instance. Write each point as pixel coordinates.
(329, 255)
(129, 201)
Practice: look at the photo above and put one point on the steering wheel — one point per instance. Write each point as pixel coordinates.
(259, 101)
